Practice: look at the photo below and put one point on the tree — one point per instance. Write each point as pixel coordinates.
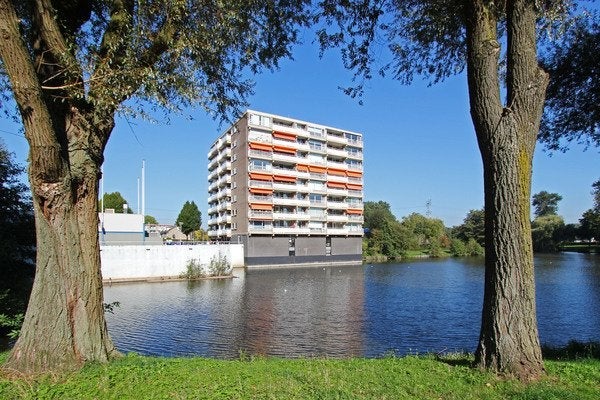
(590, 220)
(439, 38)
(545, 203)
(572, 111)
(149, 219)
(546, 231)
(116, 202)
(17, 239)
(473, 227)
(71, 66)
(189, 218)
(385, 235)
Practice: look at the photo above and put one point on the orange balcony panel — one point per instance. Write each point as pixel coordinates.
(282, 178)
(353, 186)
(354, 211)
(260, 177)
(302, 168)
(335, 171)
(260, 146)
(354, 174)
(261, 191)
(265, 207)
(336, 185)
(284, 135)
(283, 149)
(318, 170)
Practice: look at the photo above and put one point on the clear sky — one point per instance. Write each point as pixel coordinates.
(419, 144)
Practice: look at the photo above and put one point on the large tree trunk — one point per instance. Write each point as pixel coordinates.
(509, 341)
(64, 325)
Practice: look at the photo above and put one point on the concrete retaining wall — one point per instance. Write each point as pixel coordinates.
(143, 262)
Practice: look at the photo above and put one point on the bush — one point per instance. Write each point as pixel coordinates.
(194, 270)
(219, 266)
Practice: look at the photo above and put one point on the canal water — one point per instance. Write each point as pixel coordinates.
(372, 310)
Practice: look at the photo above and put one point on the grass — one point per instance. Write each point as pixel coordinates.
(411, 377)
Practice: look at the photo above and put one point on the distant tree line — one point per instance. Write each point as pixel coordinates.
(549, 231)
(418, 235)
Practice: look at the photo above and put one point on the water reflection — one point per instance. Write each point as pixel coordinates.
(411, 307)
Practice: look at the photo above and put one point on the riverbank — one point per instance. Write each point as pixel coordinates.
(424, 377)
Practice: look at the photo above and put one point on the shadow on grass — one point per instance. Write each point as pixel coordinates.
(572, 351)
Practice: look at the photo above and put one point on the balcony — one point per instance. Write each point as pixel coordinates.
(260, 214)
(260, 229)
(337, 164)
(337, 139)
(260, 199)
(224, 219)
(285, 201)
(337, 152)
(318, 217)
(286, 157)
(354, 155)
(337, 178)
(356, 218)
(337, 231)
(318, 203)
(285, 216)
(337, 205)
(285, 143)
(284, 187)
(291, 231)
(260, 184)
(337, 218)
(337, 192)
(262, 154)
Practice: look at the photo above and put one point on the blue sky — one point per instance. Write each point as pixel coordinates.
(419, 144)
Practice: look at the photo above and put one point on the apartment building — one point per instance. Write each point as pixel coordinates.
(291, 191)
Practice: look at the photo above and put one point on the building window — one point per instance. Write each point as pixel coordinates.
(234, 171)
(235, 143)
(234, 157)
(234, 184)
(234, 199)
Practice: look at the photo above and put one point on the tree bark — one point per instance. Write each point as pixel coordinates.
(509, 341)
(64, 325)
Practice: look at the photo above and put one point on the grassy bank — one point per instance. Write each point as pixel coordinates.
(137, 377)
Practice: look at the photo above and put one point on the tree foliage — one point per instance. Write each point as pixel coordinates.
(590, 220)
(17, 240)
(473, 227)
(71, 66)
(149, 219)
(547, 232)
(439, 38)
(572, 111)
(116, 201)
(189, 218)
(545, 203)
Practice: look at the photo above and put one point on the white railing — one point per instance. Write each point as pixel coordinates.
(260, 184)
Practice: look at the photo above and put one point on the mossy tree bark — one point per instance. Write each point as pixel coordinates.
(509, 341)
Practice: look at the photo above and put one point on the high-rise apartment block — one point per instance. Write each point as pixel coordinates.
(291, 191)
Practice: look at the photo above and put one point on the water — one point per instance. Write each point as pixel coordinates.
(372, 310)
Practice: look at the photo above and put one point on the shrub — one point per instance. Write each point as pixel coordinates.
(219, 266)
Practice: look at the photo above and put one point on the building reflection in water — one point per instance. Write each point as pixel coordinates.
(288, 312)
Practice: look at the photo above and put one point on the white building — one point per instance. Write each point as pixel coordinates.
(291, 191)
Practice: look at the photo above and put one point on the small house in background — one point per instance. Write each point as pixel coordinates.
(166, 232)
(124, 229)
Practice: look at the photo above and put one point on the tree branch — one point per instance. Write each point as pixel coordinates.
(39, 132)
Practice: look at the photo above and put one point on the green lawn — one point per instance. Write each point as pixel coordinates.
(423, 377)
